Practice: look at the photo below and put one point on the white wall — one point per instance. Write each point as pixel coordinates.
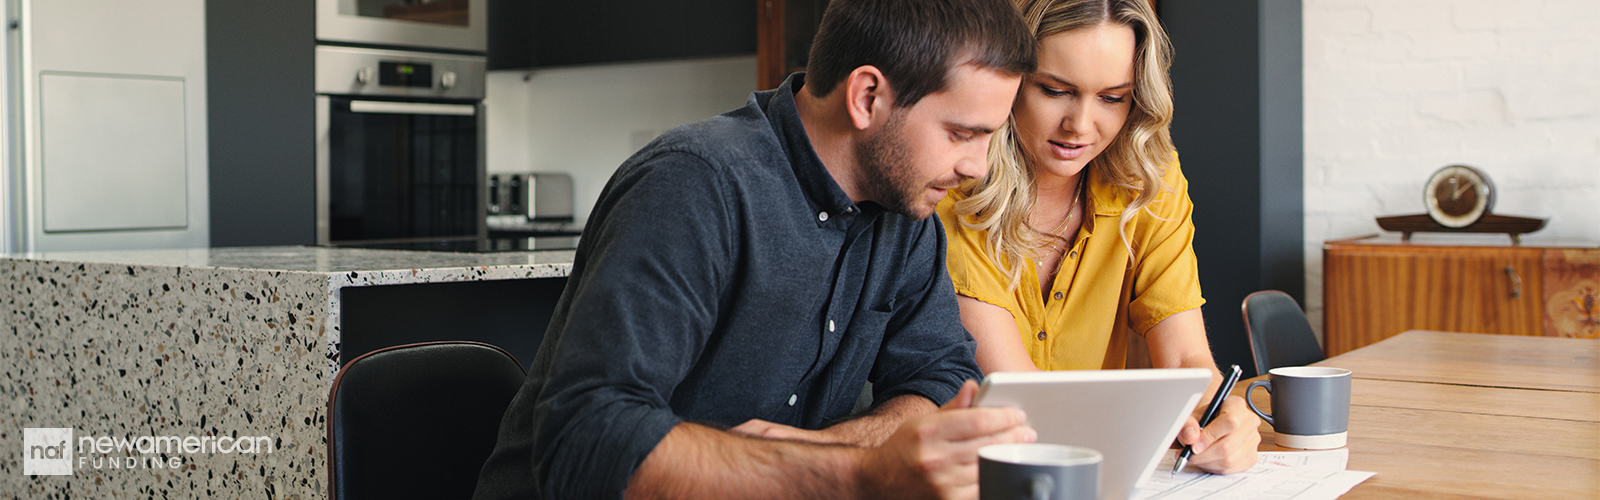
(587, 120)
(1396, 89)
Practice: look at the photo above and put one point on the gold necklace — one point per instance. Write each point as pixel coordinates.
(1058, 240)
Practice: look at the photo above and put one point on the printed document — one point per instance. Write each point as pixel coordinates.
(1285, 475)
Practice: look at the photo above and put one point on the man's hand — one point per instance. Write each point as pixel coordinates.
(1228, 445)
(936, 456)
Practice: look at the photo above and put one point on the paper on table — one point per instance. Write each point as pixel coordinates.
(1327, 459)
(1296, 475)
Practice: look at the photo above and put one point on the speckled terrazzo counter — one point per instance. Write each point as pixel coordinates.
(236, 342)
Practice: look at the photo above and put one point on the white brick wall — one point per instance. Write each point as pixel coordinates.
(1395, 89)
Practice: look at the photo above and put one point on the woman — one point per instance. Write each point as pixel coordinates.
(1081, 232)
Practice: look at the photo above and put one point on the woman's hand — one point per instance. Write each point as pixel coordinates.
(763, 429)
(1229, 444)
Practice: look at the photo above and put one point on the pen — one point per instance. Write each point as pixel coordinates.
(1211, 413)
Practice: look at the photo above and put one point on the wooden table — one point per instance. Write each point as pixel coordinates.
(1458, 415)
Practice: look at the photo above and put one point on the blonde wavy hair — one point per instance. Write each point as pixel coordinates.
(1136, 160)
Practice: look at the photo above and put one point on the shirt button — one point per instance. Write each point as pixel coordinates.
(1041, 335)
(849, 210)
(1070, 255)
(822, 216)
(1058, 295)
(830, 326)
(793, 398)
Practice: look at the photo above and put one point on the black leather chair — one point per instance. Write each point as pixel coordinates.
(1280, 334)
(417, 420)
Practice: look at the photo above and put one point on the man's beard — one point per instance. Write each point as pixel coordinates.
(886, 169)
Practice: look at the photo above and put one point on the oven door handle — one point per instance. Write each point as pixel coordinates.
(412, 108)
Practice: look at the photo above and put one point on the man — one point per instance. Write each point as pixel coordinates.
(742, 277)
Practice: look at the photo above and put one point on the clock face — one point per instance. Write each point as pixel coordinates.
(1458, 195)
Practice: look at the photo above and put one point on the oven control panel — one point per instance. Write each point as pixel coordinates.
(358, 71)
(406, 74)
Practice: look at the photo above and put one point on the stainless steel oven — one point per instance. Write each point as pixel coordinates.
(400, 149)
(456, 25)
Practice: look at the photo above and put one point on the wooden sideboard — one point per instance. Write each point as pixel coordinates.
(1377, 287)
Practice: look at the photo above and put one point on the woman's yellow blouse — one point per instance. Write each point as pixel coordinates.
(1101, 292)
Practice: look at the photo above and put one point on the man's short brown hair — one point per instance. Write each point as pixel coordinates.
(915, 43)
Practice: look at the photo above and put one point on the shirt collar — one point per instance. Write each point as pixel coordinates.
(1106, 198)
(822, 193)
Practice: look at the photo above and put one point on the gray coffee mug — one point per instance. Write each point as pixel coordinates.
(1310, 406)
(1038, 471)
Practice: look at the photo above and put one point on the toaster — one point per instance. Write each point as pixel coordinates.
(531, 196)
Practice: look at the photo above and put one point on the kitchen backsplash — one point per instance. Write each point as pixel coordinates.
(586, 120)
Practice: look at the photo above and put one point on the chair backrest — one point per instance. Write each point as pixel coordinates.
(417, 420)
(1280, 335)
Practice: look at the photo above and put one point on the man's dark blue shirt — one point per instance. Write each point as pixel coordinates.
(724, 276)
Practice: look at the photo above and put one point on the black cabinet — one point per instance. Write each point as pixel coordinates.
(543, 33)
(511, 314)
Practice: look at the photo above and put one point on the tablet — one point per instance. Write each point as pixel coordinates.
(1129, 416)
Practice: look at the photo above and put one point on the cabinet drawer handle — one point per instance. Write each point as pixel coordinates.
(1516, 282)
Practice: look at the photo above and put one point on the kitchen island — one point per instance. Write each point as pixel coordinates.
(216, 343)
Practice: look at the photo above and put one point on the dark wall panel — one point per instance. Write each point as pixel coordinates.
(1282, 148)
(1236, 88)
(260, 121)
